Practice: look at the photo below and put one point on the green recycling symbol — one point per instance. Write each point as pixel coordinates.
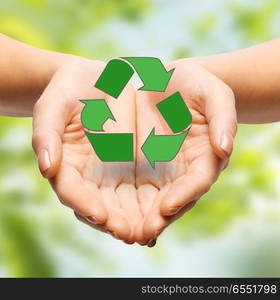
(113, 147)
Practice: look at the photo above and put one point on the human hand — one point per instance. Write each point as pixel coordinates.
(173, 188)
(102, 195)
(108, 191)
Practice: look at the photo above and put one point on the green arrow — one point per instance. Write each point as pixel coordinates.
(95, 114)
(175, 112)
(112, 146)
(152, 73)
(162, 147)
(114, 77)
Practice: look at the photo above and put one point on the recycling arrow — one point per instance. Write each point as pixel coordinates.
(119, 146)
(152, 73)
(175, 112)
(165, 147)
(112, 146)
(95, 114)
(117, 74)
(162, 147)
(114, 77)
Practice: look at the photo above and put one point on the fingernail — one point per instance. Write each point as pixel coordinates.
(115, 235)
(152, 243)
(224, 164)
(142, 243)
(226, 143)
(173, 210)
(44, 160)
(157, 232)
(92, 220)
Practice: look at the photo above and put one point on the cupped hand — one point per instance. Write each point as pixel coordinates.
(173, 188)
(131, 200)
(103, 195)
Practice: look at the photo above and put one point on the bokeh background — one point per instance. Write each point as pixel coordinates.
(233, 230)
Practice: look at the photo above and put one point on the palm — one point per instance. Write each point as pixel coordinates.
(179, 183)
(97, 191)
(131, 200)
(94, 188)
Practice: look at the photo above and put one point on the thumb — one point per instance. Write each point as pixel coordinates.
(49, 116)
(220, 113)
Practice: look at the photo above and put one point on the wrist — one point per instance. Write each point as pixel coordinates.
(53, 61)
(71, 62)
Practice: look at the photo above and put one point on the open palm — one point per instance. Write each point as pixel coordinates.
(130, 200)
(167, 192)
(101, 194)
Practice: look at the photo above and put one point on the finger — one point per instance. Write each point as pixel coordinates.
(81, 195)
(89, 222)
(52, 111)
(220, 113)
(181, 212)
(128, 201)
(200, 175)
(120, 176)
(163, 223)
(49, 120)
(155, 222)
(117, 223)
(147, 194)
(159, 224)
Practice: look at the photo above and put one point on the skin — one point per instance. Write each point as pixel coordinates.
(253, 76)
(130, 200)
(173, 188)
(25, 73)
(100, 194)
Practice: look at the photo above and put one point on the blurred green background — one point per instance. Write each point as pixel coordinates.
(233, 230)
